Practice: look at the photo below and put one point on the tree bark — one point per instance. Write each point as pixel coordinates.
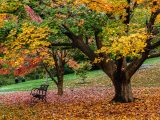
(122, 83)
(58, 57)
(60, 85)
(123, 91)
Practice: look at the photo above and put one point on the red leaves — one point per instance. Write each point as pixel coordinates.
(32, 14)
(4, 71)
(23, 70)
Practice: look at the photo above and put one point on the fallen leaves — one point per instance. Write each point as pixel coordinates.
(82, 103)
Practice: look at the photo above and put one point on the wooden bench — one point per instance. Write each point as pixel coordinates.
(40, 92)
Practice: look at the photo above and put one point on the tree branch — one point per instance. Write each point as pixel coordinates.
(77, 41)
(49, 73)
(135, 64)
(155, 45)
(69, 33)
(152, 21)
(154, 55)
(61, 44)
(98, 41)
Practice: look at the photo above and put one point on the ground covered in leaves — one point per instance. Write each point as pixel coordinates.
(82, 103)
(92, 102)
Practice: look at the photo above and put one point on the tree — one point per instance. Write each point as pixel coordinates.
(60, 57)
(29, 44)
(128, 40)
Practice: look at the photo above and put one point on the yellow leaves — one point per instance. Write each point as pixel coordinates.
(35, 36)
(102, 50)
(12, 34)
(9, 6)
(6, 17)
(131, 45)
(98, 60)
(158, 19)
(23, 42)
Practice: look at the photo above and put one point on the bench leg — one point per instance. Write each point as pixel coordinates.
(44, 99)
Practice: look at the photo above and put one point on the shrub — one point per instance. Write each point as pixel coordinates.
(5, 80)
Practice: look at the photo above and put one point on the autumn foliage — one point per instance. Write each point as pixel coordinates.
(107, 32)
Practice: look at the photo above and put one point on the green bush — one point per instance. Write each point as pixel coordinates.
(68, 70)
(6, 80)
(82, 70)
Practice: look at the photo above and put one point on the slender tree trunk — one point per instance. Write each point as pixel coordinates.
(123, 91)
(60, 85)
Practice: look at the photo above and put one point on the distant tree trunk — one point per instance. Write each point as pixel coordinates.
(60, 61)
(59, 58)
(60, 85)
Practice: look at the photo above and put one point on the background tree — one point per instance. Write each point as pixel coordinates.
(30, 48)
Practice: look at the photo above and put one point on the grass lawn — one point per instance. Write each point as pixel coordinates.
(70, 81)
(146, 77)
(152, 61)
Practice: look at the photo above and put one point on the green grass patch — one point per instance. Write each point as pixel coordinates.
(97, 77)
(70, 81)
(152, 60)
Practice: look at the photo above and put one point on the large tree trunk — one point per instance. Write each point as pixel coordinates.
(122, 83)
(123, 91)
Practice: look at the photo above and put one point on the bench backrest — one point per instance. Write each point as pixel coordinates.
(43, 87)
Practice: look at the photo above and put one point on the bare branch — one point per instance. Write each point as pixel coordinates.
(154, 55)
(61, 44)
(155, 45)
(49, 73)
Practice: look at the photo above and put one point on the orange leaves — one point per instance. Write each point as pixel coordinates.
(139, 1)
(97, 5)
(155, 5)
(73, 64)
